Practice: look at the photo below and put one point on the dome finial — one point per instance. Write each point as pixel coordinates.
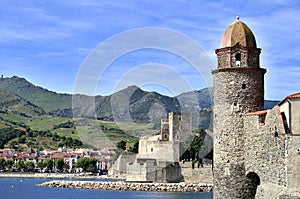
(238, 17)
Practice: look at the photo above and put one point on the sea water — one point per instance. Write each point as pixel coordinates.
(25, 188)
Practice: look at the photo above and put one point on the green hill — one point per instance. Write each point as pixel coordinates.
(48, 132)
(14, 103)
(31, 116)
(23, 125)
(41, 97)
(128, 105)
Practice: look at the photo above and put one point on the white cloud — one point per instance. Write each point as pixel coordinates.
(61, 33)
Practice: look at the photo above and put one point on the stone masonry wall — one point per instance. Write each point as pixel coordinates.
(293, 166)
(142, 170)
(249, 56)
(119, 168)
(265, 156)
(180, 126)
(236, 92)
(161, 150)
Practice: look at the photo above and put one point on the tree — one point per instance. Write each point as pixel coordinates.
(192, 147)
(2, 163)
(196, 146)
(9, 164)
(56, 137)
(66, 168)
(87, 164)
(29, 166)
(49, 164)
(70, 142)
(20, 165)
(59, 163)
(40, 165)
(13, 144)
(22, 140)
(134, 148)
(122, 144)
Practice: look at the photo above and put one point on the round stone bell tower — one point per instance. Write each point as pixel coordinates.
(238, 89)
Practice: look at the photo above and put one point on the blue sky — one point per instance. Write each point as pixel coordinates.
(49, 42)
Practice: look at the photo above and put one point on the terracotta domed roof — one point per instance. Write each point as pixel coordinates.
(238, 32)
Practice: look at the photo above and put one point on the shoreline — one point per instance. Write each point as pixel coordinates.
(129, 186)
(50, 175)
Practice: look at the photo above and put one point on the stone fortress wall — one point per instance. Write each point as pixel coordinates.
(272, 153)
(158, 156)
(265, 152)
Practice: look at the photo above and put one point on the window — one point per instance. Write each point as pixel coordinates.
(276, 134)
(262, 119)
(238, 59)
(243, 86)
(285, 122)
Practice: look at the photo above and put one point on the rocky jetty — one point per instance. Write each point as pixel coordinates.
(166, 187)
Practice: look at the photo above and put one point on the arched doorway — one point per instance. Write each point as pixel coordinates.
(252, 182)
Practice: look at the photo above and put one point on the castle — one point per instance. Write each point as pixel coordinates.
(158, 156)
(256, 151)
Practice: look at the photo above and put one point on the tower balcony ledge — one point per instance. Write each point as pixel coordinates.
(263, 70)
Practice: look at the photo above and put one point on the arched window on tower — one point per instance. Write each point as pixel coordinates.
(238, 59)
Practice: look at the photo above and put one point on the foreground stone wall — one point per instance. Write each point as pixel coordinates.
(149, 170)
(265, 152)
(197, 175)
(119, 168)
(142, 170)
(171, 172)
(290, 196)
(293, 163)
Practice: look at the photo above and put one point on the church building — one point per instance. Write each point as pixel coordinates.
(256, 151)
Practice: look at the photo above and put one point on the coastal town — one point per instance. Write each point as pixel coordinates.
(61, 160)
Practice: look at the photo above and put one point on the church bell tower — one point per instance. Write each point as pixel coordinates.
(238, 89)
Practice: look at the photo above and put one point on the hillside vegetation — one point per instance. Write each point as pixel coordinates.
(49, 132)
(41, 97)
(128, 105)
(31, 116)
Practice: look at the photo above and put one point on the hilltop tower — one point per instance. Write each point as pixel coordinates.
(238, 89)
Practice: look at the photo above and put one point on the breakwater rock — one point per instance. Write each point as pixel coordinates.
(167, 187)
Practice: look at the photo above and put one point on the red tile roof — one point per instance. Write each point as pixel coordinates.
(292, 96)
(263, 112)
(57, 155)
(295, 95)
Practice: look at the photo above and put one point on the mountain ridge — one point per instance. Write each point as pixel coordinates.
(35, 94)
(129, 104)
